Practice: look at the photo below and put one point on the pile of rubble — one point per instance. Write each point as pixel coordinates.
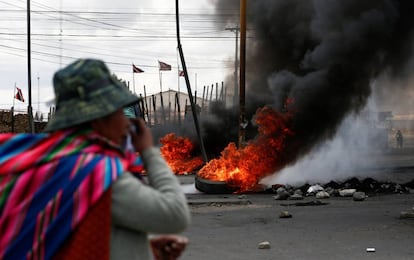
(350, 188)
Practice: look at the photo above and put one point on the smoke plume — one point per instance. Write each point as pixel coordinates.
(323, 54)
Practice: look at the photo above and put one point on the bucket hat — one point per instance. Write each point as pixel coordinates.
(85, 90)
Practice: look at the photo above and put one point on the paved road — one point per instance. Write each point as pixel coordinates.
(231, 226)
(343, 229)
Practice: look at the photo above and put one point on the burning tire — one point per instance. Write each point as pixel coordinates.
(212, 187)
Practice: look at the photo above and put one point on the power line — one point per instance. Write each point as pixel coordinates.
(45, 54)
(121, 36)
(104, 28)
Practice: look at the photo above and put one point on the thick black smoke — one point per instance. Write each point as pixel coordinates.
(324, 54)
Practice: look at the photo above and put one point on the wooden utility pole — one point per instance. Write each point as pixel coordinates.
(242, 103)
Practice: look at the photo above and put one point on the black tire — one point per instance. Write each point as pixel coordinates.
(212, 187)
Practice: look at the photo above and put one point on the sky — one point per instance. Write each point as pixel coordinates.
(121, 33)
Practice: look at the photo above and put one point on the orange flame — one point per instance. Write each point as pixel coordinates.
(177, 152)
(243, 168)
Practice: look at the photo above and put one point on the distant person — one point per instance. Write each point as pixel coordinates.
(75, 193)
(399, 138)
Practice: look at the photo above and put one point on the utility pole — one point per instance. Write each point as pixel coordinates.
(236, 64)
(242, 103)
(38, 92)
(60, 34)
(29, 71)
(187, 81)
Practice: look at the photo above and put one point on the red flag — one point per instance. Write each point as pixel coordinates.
(19, 95)
(135, 69)
(164, 66)
(181, 73)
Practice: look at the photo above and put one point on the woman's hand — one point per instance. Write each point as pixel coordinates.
(142, 136)
(168, 247)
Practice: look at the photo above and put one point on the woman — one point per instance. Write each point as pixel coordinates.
(75, 193)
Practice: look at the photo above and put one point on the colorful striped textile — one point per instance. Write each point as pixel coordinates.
(48, 182)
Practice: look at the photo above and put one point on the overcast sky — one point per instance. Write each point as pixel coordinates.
(120, 33)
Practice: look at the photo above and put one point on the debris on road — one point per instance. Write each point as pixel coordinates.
(309, 203)
(407, 214)
(296, 197)
(314, 189)
(347, 192)
(359, 196)
(322, 195)
(264, 245)
(285, 214)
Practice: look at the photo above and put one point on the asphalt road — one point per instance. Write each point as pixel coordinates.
(342, 229)
(231, 226)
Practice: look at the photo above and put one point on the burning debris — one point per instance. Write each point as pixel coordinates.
(243, 168)
(213, 186)
(178, 152)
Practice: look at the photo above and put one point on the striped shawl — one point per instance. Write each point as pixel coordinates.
(48, 182)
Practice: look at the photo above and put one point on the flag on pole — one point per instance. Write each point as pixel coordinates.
(181, 73)
(19, 95)
(164, 66)
(135, 69)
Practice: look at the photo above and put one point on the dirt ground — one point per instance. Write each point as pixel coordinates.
(230, 226)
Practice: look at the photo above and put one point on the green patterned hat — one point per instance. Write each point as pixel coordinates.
(84, 91)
